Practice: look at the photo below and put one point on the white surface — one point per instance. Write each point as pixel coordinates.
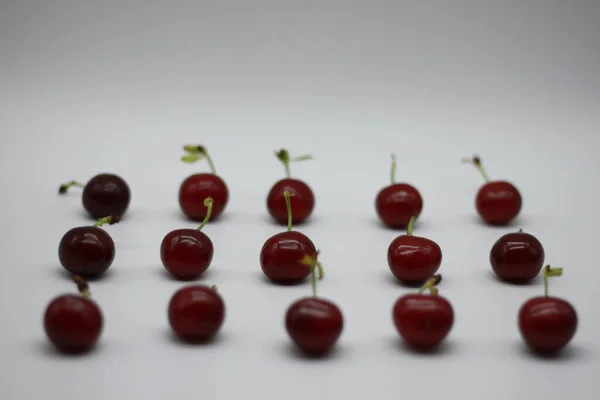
(87, 87)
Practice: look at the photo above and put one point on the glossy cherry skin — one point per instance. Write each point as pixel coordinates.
(196, 313)
(547, 324)
(105, 195)
(498, 202)
(395, 205)
(186, 253)
(73, 323)
(87, 251)
(413, 259)
(422, 320)
(302, 201)
(281, 254)
(517, 257)
(195, 189)
(314, 325)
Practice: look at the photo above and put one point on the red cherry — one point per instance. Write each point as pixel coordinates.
(547, 324)
(280, 256)
(497, 202)
(195, 188)
(413, 259)
(314, 324)
(187, 253)
(73, 323)
(104, 194)
(423, 321)
(196, 313)
(304, 199)
(397, 203)
(88, 251)
(517, 257)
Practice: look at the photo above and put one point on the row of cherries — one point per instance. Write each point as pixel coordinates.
(74, 323)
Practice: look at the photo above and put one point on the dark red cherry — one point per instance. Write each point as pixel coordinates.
(413, 259)
(87, 251)
(397, 203)
(304, 199)
(281, 255)
(497, 202)
(187, 253)
(195, 188)
(104, 194)
(517, 256)
(73, 323)
(547, 324)
(423, 321)
(196, 313)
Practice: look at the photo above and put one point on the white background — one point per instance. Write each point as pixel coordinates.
(119, 86)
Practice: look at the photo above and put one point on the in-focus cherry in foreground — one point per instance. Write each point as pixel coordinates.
(196, 313)
(88, 251)
(497, 202)
(422, 320)
(314, 324)
(398, 202)
(195, 188)
(517, 257)
(304, 199)
(187, 253)
(281, 255)
(104, 194)
(547, 324)
(413, 259)
(73, 323)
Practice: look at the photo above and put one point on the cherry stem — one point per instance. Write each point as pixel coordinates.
(316, 270)
(393, 171)
(288, 204)
(430, 285)
(215, 288)
(208, 202)
(284, 156)
(64, 188)
(549, 272)
(111, 220)
(411, 223)
(196, 153)
(82, 285)
(476, 161)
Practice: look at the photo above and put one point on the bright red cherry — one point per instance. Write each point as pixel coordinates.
(195, 188)
(314, 324)
(397, 203)
(547, 324)
(281, 254)
(73, 323)
(423, 320)
(304, 199)
(88, 251)
(517, 257)
(497, 202)
(413, 259)
(196, 313)
(187, 253)
(104, 194)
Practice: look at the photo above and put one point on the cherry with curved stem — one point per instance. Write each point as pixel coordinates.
(195, 188)
(104, 194)
(547, 324)
(88, 250)
(517, 257)
(314, 324)
(73, 323)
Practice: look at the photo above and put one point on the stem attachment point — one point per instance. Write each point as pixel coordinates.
(82, 285)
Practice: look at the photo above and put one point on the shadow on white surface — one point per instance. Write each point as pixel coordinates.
(491, 275)
(570, 353)
(172, 338)
(446, 348)
(47, 349)
(207, 275)
(264, 279)
(290, 350)
(59, 272)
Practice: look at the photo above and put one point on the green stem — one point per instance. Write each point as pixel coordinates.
(548, 272)
(313, 280)
(284, 156)
(476, 161)
(288, 204)
(430, 285)
(82, 285)
(393, 171)
(111, 220)
(64, 188)
(211, 165)
(411, 223)
(196, 153)
(208, 203)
